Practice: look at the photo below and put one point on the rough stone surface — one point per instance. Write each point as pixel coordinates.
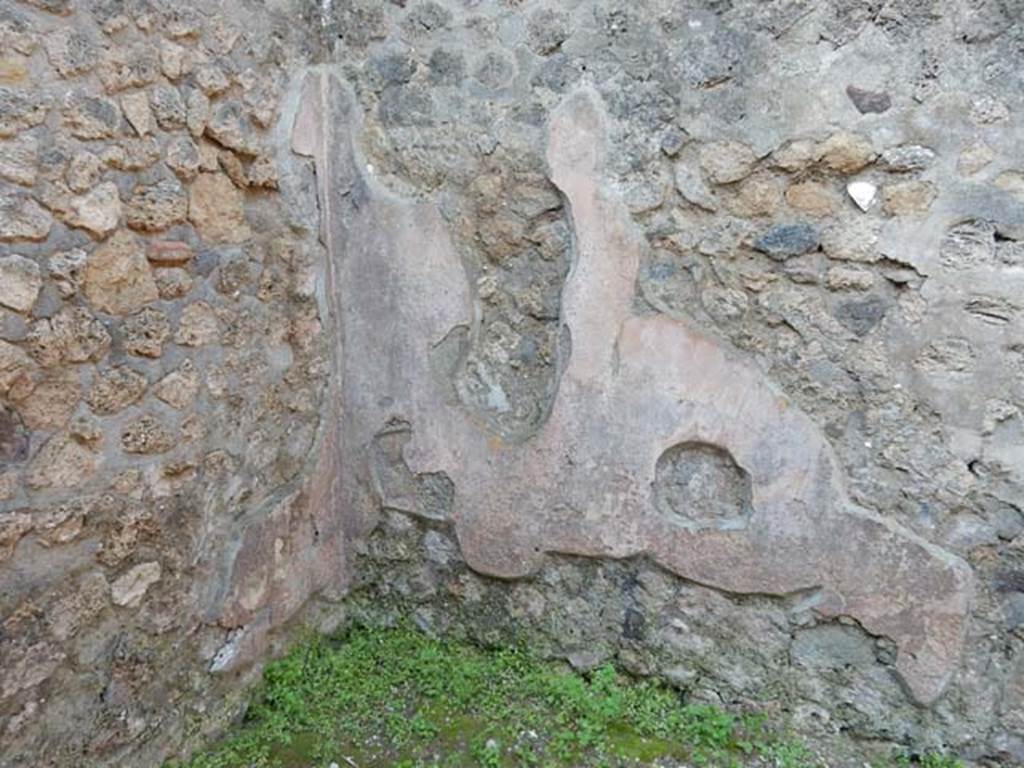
(117, 278)
(98, 211)
(90, 117)
(156, 207)
(129, 66)
(907, 158)
(812, 198)
(168, 253)
(73, 335)
(178, 388)
(20, 281)
(71, 52)
(18, 160)
(22, 218)
(115, 389)
(691, 187)
(784, 241)
(15, 364)
(133, 154)
(907, 198)
(20, 110)
(727, 161)
(82, 173)
(183, 158)
(62, 462)
(228, 127)
(198, 325)
(197, 115)
(51, 402)
(136, 111)
(65, 269)
(129, 590)
(974, 158)
(146, 434)
(145, 332)
(216, 208)
(168, 108)
(846, 152)
(173, 283)
(174, 59)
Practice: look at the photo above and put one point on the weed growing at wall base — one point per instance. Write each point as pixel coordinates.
(399, 698)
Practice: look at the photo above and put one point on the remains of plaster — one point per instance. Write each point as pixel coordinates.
(631, 388)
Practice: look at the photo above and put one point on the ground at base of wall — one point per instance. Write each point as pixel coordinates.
(397, 697)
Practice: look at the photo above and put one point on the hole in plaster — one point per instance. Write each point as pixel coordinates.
(430, 495)
(699, 485)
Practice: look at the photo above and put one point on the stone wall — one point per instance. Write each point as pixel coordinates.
(681, 333)
(163, 366)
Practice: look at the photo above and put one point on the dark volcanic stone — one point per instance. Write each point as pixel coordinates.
(783, 241)
(861, 315)
(875, 102)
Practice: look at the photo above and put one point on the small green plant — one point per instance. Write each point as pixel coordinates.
(397, 697)
(487, 752)
(928, 760)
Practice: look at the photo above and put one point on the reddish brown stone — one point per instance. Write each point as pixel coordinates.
(168, 253)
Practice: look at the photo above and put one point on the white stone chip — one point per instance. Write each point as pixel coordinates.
(863, 193)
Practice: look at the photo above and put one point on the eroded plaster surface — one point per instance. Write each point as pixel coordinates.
(632, 387)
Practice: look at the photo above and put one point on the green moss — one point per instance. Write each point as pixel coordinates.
(626, 743)
(400, 698)
(928, 760)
